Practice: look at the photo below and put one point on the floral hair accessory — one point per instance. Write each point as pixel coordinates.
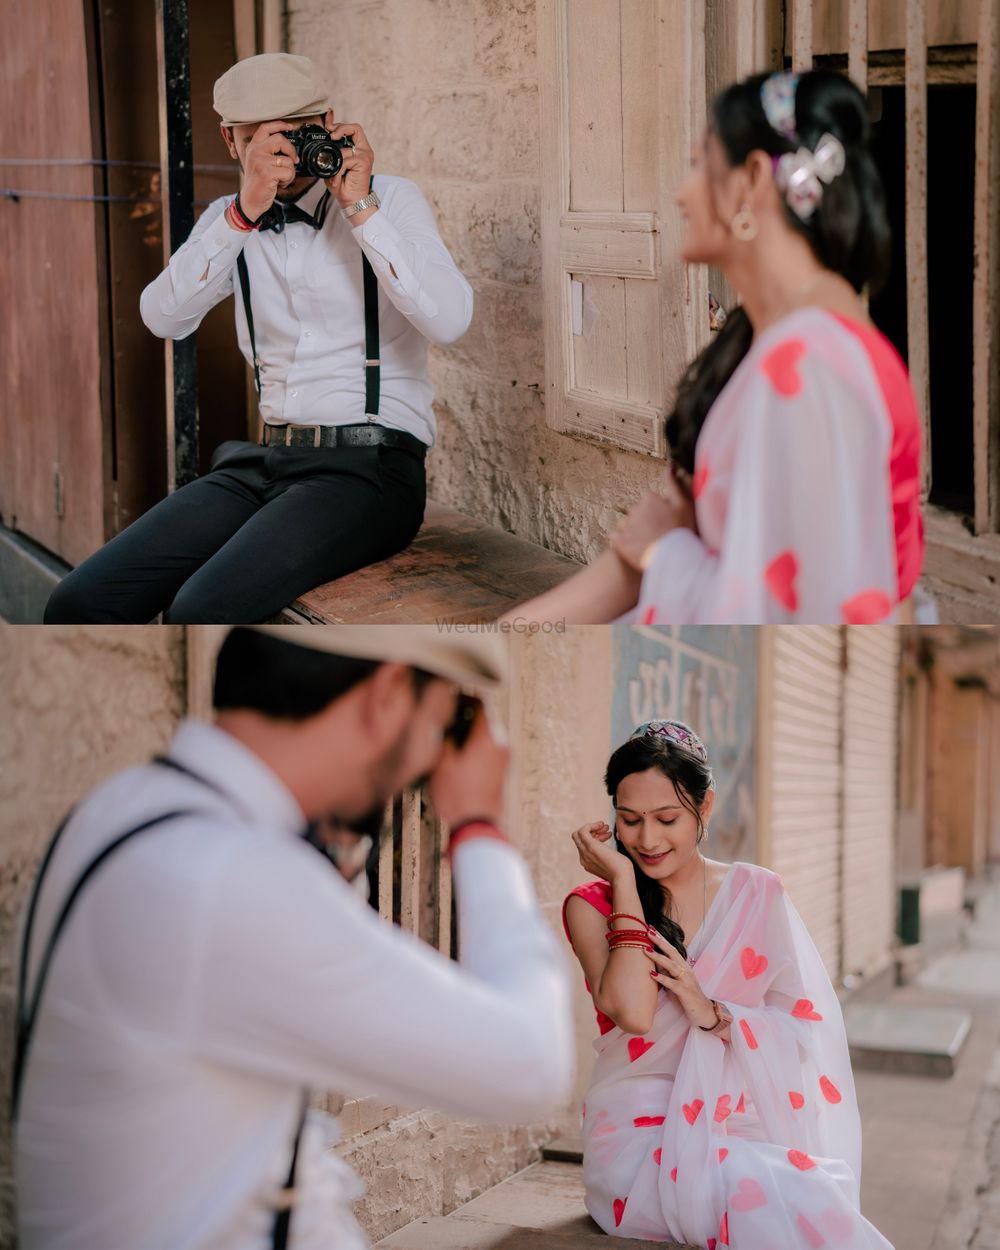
(678, 732)
(777, 96)
(800, 175)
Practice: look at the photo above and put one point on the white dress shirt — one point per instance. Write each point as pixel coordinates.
(307, 299)
(216, 965)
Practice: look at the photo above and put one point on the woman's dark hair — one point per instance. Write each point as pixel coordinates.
(848, 232)
(265, 674)
(692, 778)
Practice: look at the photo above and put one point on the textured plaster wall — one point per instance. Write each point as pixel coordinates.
(76, 704)
(447, 91)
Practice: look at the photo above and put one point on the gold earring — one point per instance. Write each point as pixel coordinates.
(744, 225)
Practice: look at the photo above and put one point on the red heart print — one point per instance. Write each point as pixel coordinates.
(800, 1160)
(741, 1106)
(796, 1099)
(838, 1225)
(649, 616)
(867, 608)
(748, 1034)
(724, 1229)
(692, 1110)
(711, 1243)
(804, 1010)
(752, 963)
(723, 1151)
(648, 1121)
(780, 367)
(781, 576)
(815, 1237)
(619, 1210)
(749, 1196)
(658, 1155)
(673, 1174)
(698, 481)
(637, 1047)
(722, 1108)
(830, 1092)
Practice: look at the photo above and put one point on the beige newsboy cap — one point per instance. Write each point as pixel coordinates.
(473, 660)
(269, 87)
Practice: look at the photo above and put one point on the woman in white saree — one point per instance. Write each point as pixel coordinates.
(721, 1110)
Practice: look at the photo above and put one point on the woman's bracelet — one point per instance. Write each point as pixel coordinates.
(639, 946)
(624, 915)
(614, 935)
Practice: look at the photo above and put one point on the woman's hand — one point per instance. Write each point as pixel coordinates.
(656, 514)
(677, 976)
(597, 852)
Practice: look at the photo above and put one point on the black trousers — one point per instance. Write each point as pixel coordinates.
(239, 544)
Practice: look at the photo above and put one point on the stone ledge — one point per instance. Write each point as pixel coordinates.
(540, 1208)
(457, 571)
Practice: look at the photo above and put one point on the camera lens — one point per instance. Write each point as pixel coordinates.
(326, 160)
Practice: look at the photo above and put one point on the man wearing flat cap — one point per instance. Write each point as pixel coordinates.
(193, 963)
(340, 282)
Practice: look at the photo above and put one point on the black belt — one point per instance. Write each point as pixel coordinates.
(366, 434)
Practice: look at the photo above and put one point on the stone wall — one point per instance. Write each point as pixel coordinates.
(447, 91)
(78, 703)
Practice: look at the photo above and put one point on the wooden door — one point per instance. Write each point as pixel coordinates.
(54, 400)
(623, 99)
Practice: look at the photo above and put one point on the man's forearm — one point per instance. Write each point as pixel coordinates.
(197, 277)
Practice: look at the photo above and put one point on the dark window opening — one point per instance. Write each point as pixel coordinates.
(951, 157)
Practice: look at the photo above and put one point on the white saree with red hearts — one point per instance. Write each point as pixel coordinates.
(807, 488)
(754, 1143)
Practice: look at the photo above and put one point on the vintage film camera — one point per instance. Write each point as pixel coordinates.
(317, 154)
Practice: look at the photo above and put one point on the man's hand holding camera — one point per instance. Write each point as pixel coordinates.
(352, 181)
(468, 781)
(269, 164)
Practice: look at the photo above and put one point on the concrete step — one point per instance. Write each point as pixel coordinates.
(923, 1041)
(540, 1208)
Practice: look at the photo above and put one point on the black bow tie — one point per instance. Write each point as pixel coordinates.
(279, 215)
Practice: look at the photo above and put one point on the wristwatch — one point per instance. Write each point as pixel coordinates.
(723, 1018)
(371, 200)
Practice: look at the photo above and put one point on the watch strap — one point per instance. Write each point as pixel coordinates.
(371, 200)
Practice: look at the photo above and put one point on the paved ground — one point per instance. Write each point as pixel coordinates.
(931, 1144)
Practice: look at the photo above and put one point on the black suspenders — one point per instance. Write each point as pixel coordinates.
(27, 1011)
(373, 372)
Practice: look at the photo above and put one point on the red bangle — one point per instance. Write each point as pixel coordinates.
(624, 915)
(628, 939)
(613, 935)
(478, 827)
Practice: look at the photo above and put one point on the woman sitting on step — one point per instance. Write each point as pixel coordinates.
(721, 1110)
(794, 492)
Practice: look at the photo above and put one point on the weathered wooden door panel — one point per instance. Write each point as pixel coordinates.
(602, 196)
(54, 465)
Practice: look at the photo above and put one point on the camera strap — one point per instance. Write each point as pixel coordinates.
(26, 1012)
(373, 365)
